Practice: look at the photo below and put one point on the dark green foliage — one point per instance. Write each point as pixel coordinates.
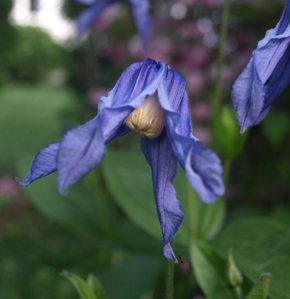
(34, 56)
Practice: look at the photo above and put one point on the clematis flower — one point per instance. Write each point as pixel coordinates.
(151, 99)
(140, 11)
(266, 75)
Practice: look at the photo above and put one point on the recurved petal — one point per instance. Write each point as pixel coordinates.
(205, 173)
(42, 165)
(140, 10)
(160, 157)
(248, 96)
(82, 149)
(202, 166)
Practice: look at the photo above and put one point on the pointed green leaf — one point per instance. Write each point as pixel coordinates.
(260, 245)
(82, 287)
(261, 289)
(210, 269)
(96, 286)
(129, 179)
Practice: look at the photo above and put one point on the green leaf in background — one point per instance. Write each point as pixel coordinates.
(83, 208)
(261, 289)
(128, 177)
(96, 286)
(210, 272)
(260, 245)
(132, 278)
(227, 133)
(30, 119)
(276, 126)
(82, 287)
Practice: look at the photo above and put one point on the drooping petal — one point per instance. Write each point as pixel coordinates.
(248, 97)
(43, 164)
(140, 10)
(82, 149)
(266, 75)
(202, 166)
(90, 15)
(160, 157)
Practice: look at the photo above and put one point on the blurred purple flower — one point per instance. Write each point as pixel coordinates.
(266, 75)
(140, 11)
(151, 99)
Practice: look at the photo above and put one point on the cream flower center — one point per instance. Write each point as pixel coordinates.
(148, 119)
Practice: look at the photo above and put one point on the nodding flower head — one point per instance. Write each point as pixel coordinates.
(151, 99)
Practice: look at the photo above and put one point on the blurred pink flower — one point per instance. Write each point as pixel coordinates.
(107, 17)
(201, 111)
(95, 93)
(161, 49)
(8, 187)
(189, 29)
(202, 133)
(197, 56)
(195, 82)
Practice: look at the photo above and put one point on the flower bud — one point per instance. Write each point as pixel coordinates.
(233, 274)
(148, 119)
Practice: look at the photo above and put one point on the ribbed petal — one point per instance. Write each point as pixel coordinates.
(160, 157)
(202, 166)
(140, 10)
(82, 149)
(90, 15)
(42, 165)
(266, 75)
(248, 97)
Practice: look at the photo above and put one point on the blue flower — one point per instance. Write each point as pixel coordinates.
(151, 99)
(266, 75)
(140, 11)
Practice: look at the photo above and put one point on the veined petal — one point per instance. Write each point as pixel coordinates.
(160, 157)
(248, 97)
(43, 164)
(82, 149)
(285, 19)
(203, 168)
(140, 10)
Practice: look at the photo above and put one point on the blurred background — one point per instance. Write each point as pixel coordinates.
(51, 81)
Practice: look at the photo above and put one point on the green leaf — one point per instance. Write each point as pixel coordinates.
(276, 126)
(131, 278)
(210, 270)
(38, 124)
(260, 245)
(128, 177)
(261, 289)
(96, 286)
(82, 208)
(227, 133)
(82, 287)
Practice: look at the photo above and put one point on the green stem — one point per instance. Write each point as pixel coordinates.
(220, 59)
(238, 292)
(169, 282)
(227, 168)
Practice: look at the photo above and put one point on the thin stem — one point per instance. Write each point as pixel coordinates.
(220, 60)
(227, 168)
(169, 282)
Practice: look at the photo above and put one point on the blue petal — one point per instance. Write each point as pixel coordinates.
(140, 10)
(248, 97)
(160, 157)
(88, 2)
(90, 15)
(203, 168)
(266, 75)
(82, 149)
(42, 165)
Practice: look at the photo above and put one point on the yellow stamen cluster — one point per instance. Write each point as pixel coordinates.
(148, 119)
